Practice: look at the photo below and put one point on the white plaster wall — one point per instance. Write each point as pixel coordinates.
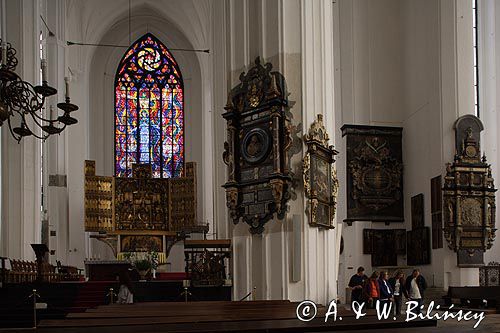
(409, 64)
(371, 93)
(93, 70)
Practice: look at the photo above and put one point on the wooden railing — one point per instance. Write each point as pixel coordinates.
(23, 271)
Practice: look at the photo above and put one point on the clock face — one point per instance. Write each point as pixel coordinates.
(470, 151)
(255, 145)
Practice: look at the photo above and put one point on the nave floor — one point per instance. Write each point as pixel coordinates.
(195, 317)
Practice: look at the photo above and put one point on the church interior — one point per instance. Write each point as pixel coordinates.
(219, 164)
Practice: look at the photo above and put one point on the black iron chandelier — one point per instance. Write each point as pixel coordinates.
(19, 98)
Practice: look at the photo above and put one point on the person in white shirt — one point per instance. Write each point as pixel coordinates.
(416, 285)
(398, 286)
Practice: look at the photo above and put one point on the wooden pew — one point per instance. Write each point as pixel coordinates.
(24, 271)
(473, 297)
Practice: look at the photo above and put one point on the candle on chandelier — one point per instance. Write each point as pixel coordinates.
(44, 70)
(51, 112)
(66, 81)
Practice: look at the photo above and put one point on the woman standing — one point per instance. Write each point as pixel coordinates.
(372, 291)
(398, 285)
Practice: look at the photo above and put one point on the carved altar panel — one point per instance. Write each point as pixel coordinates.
(141, 243)
(320, 178)
(140, 203)
(257, 150)
(182, 204)
(98, 193)
(469, 196)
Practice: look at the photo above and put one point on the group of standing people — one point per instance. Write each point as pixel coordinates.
(379, 287)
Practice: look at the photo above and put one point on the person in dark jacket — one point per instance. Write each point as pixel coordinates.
(386, 292)
(415, 286)
(397, 283)
(356, 284)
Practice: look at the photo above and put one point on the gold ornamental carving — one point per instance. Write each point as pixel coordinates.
(258, 148)
(469, 196)
(140, 203)
(319, 176)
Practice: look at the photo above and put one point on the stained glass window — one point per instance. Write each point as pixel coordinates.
(149, 106)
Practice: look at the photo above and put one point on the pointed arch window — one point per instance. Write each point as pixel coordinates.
(149, 110)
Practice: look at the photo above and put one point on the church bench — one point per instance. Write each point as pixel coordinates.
(473, 297)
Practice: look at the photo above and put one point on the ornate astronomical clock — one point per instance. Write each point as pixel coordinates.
(320, 178)
(374, 173)
(469, 196)
(257, 150)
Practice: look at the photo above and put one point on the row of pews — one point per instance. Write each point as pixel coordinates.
(215, 316)
(14, 271)
(474, 297)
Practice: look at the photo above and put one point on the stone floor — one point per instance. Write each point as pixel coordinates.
(491, 324)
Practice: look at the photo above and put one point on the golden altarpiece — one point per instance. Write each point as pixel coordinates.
(141, 213)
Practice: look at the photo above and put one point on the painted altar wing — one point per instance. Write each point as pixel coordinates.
(149, 110)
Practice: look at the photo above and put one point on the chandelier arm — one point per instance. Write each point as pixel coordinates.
(41, 125)
(33, 133)
(50, 121)
(23, 98)
(34, 114)
(16, 137)
(19, 97)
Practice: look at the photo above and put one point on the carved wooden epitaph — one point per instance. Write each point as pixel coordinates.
(418, 246)
(257, 150)
(417, 211)
(469, 196)
(374, 173)
(320, 178)
(437, 212)
(384, 245)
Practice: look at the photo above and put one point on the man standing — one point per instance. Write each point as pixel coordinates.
(416, 285)
(356, 285)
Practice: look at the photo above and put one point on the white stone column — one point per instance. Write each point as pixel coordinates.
(55, 157)
(281, 32)
(489, 57)
(457, 100)
(21, 162)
